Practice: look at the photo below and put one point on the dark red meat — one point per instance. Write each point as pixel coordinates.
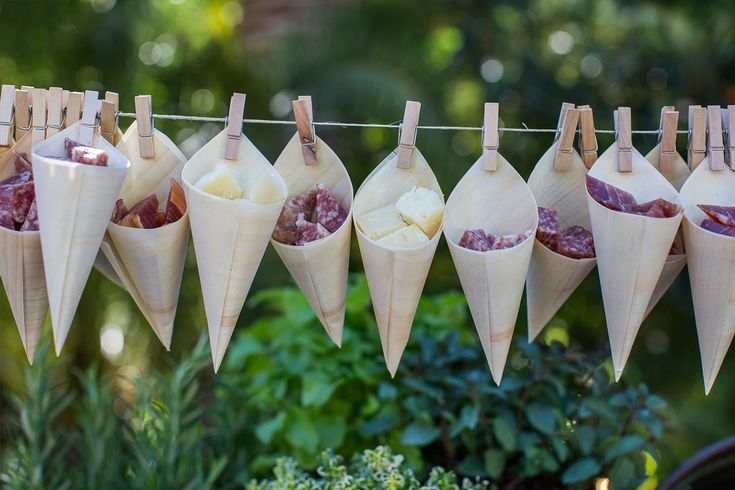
(143, 215)
(285, 230)
(307, 231)
(176, 204)
(476, 240)
(548, 227)
(716, 227)
(31, 220)
(329, 211)
(608, 195)
(721, 214)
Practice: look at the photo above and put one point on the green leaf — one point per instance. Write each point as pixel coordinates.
(585, 436)
(622, 446)
(541, 418)
(419, 434)
(301, 432)
(317, 387)
(655, 402)
(504, 434)
(622, 473)
(381, 423)
(265, 431)
(332, 429)
(560, 448)
(494, 462)
(582, 470)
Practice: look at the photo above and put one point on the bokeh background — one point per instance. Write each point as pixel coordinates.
(360, 61)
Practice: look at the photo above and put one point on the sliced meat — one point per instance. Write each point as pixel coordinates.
(608, 195)
(476, 240)
(548, 227)
(716, 227)
(176, 205)
(329, 211)
(721, 214)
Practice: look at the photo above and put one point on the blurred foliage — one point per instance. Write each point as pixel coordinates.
(360, 60)
(556, 420)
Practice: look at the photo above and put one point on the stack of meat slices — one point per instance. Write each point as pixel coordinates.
(146, 214)
(575, 242)
(480, 241)
(721, 219)
(310, 216)
(18, 197)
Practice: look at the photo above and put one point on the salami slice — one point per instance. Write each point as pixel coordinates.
(31, 220)
(19, 178)
(119, 212)
(576, 242)
(285, 230)
(89, 156)
(143, 215)
(677, 247)
(22, 163)
(6, 216)
(608, 195)
(500, 242)
(716, 227)
(329, 211)
(548, 227)
(306, 231)
(69, 145)
(721, 214)
(476, 240)
(17, 199)
(176, 205)
(657, 208)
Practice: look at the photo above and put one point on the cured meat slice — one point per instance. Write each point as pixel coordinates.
(329, 211)
(716, 227)
(119, 212)
(89, 156)
(176, 205)
(285, 230)
(657, 208)
(16, 201)
(609, 196)
(31, 220)
(143, 215)
(677, 247)
(69, 145)
(721, 214)
(476, 240)
(160, 218)
(306, 231)
(576, 242)
(22, 163)
(548, 227)
(6, 217)
(19, 178)
(500, 242)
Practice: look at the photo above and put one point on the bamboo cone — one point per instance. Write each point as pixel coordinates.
(395, 276)
(553, 277)
(492, 281)
(75, 202)
(21, 269)
(230, 238)
(319, 268)
(711, 259)
(631, 249)
(150, 263)
(676, 175)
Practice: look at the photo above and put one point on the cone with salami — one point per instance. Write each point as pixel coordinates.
(491, 218)
(563, 252)
(709, 237)
(399, 212)
(319, 200)
(635, 215)
(234, 197)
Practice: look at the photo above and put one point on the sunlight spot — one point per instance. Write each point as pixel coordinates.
(231, 13)
(491, 70)
(112, 341)
(149, 53)
(591, 66)
(202, 101)
(561, 42)
(280, 104)
(102, 6)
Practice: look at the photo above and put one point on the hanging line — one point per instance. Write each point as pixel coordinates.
(396, 125)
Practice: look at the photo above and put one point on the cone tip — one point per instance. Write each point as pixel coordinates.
(709, 383)
(618, 374)
(498, 378)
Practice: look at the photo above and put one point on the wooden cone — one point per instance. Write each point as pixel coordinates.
(319, 268)
(395, 276)
(631, 249)
(230, 238)
(553, 277)
(21, 268)
(711, 259)
(501, 203)
(677, 174)
(75, 202)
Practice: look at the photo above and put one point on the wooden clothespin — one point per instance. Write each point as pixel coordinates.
(38, 115)
(715, 144)
(108, 116)
(89, 117)
(55, 108)
(490, 136)
(144, 120)
(587, 136)
(667, 137)
(74, 103)
(407, 139)
(7, 105)
(566, 129)
(624, 139)
(728, 124)
(697, 148)
(234, 125)
(303, 115)
(22, 113)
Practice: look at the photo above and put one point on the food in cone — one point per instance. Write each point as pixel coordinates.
(233, 208)
(21, 262)
(310, 216)
(89, 177)
(709, 201)
(563, 252)
(397, 244)
(490, 219)
(635, 216)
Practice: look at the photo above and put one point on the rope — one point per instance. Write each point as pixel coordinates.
(397, 125)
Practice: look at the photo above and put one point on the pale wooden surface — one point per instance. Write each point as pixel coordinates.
(38, 119)
(408, 133)
(143, 109)
(553, 277)
(234, 125)
(319, 268)
(631, 249)
(587, 136)
(491, 136)
(230, 237)
(303, 117)
(22, 114)
(667, 143)
(711, 261)
(715, 144)
(7, 102)
(74, 103)
(678, 170)
(564, 146)
(55, 111)
(697, 146)
(395, 276)
(72, 227)
(499, 202)
(624, 139)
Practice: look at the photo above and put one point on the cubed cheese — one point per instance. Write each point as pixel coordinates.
(221, 181)
(380, 222)
(266, 189)
(406, 237)
(422, 207)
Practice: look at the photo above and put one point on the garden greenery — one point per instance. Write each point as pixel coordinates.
(285, 391)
